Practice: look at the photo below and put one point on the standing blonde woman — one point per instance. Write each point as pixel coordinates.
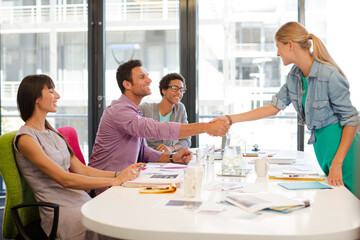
(319, 92)
(44, 158)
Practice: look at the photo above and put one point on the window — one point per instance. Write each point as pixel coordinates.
(331, 23)
(240, 34)
(146, 30)
(29, 46)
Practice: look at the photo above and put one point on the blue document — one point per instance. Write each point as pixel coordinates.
(304, 185)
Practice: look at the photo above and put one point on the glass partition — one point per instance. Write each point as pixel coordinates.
(46, 37)
(335, 25)
(239, 69)
(146, 30)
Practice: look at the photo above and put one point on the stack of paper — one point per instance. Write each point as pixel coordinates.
(278, 160)
(304, 176)
(253, 202)
(154, 176)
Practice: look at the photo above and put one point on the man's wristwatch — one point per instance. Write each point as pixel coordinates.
(171, 158)
(172, 148)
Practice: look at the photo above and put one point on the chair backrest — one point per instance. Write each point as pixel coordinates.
(17, 189)
(71, 137)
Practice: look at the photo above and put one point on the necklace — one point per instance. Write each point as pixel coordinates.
(35, 126)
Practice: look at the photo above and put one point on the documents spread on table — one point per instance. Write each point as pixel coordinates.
(252, 199)
(158, 175)
(266, 200)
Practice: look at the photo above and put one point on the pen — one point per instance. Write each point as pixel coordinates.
(254, 155)
(157, 188)
(141, 167)
(230, 188)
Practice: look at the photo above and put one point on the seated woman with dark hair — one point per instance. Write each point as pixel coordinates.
(44, 159)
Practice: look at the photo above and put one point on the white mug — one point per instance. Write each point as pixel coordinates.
(261, 167)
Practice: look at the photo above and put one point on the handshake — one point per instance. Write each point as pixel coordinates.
(219, 126)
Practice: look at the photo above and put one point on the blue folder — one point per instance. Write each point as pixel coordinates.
(304, 185)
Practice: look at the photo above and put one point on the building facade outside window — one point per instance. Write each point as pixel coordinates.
(238, 66)
(46, 37)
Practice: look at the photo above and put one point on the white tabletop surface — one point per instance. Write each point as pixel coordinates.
(124, 213)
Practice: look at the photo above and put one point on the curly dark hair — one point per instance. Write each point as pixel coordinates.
(124, 72)
(165, 80)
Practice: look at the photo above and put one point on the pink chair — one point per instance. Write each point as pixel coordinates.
(71, 137)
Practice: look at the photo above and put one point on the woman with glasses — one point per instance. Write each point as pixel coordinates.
(172, 88)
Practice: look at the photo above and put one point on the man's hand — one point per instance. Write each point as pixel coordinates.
(163, 148)
(183, 156)
(218, 128)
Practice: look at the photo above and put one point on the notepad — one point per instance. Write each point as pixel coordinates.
(158, 189)
(278, 160)
(304, 185)
(303, 177)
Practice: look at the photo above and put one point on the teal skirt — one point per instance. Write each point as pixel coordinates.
(327, 143)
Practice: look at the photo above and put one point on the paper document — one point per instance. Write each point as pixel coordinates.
(153, 177)
(253, 202)
(301, 177)
(278, 160)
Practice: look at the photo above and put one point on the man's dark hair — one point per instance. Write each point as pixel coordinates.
(165, 81)
(124, 72)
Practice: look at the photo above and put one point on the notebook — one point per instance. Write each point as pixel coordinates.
(278, 160)
(304, 185)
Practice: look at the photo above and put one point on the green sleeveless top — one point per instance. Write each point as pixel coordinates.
(327, 143)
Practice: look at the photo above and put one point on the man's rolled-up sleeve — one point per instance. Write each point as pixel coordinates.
(136, 125)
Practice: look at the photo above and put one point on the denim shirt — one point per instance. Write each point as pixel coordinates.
(327, 100)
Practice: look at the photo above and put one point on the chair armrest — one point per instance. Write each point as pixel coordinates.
(20, 226)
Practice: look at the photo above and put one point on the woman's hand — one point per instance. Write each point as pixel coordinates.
(129, 173)
(335, 175)
(163, 148)
(221, 118)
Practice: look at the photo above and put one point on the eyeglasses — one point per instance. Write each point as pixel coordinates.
(176, 88)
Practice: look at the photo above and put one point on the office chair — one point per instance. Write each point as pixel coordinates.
(20, 200)
(71, 137)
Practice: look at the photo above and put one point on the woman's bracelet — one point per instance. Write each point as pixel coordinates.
(116, 173)
(229, 118)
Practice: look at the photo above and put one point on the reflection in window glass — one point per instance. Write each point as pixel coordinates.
(331, 21)
(30, 46)
(238, 61)
(146, 30)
